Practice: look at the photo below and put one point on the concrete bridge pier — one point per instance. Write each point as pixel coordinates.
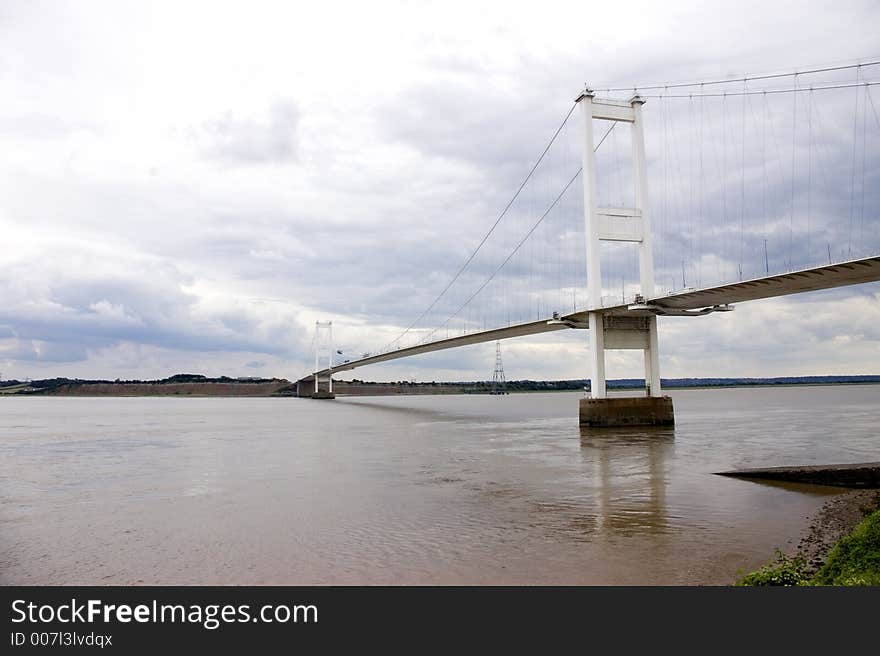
(627, 411)
(310, 388)
(317, 391)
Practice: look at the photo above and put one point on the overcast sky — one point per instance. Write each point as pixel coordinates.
(188, 187)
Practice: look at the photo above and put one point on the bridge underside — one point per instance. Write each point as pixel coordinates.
(622, 322)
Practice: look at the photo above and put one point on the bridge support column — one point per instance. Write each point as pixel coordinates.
(597, 356)
(652, 360)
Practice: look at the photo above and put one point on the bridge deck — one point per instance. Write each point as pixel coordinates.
(851, 272)
(794, 282)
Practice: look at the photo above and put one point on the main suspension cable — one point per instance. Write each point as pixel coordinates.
(491, 230)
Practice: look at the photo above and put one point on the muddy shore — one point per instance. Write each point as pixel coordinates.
(837, 518)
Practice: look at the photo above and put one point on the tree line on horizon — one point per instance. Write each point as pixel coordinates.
(513, 385)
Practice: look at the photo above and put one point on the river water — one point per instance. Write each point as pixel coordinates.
(410, 489)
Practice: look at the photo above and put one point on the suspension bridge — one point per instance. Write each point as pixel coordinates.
(760, 186)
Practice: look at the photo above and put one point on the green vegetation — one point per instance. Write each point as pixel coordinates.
(48, 386)
(854, 560)
(667, 383)
(484, 387)
(783, 571)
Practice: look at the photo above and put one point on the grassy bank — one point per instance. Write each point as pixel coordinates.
(854, 560)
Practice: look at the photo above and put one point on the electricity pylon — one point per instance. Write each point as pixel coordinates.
(499, 384)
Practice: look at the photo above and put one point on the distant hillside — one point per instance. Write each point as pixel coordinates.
(177, 385)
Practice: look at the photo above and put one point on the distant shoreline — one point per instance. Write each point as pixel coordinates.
(808, 384)
(196, 386)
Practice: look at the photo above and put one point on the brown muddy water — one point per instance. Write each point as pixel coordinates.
(407, 490)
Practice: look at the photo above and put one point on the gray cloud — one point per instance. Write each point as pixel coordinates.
(67, 314)
(270, 139)
(212, 232)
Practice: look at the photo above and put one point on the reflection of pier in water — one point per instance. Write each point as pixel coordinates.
(629, 478)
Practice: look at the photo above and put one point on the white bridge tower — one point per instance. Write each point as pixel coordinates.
(635, 330)
(323, 350)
